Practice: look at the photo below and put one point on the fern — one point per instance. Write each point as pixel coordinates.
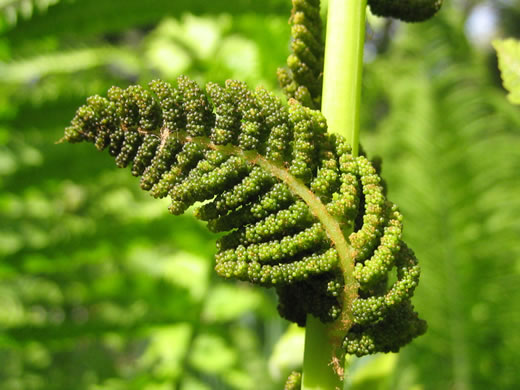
(62, 62)
(452, 142)
(303, 78)
(87, 18)
(285, 190)
(13, 9)
(508, 52)
(77, 240)
(299, 210)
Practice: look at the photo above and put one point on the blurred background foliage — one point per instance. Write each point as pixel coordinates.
(100, 288)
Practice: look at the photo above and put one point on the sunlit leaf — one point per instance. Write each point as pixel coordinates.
(509, 62)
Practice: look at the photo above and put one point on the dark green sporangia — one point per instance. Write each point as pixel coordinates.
(224, 146)
(294, 382)
(303, 78)
(406, 10)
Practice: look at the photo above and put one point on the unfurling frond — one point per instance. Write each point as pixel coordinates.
(270, 176)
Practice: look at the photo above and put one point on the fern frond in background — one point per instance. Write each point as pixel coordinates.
(508, 52)
(451, 146)
(87, 18)
(12, 10)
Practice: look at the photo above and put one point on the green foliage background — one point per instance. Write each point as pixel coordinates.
(100, 288)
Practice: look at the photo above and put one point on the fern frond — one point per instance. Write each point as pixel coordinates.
(13, 9)
(84, 18)
(302, 80)
(61, 62)
(455, 147)
(287, 193)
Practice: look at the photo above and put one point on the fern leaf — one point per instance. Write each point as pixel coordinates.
(13, 9)
(62, 62)
(286, 192)
(509, 62)
(455, 152)
(83, 18)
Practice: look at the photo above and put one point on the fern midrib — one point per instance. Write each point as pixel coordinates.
(332, 227)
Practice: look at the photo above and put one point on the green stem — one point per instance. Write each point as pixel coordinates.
(318, 373)
(343, 68)
(341, 105)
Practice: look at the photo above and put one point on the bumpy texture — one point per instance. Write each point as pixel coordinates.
(294, 382)
(406, 10)
(226, 151)
(303, 78)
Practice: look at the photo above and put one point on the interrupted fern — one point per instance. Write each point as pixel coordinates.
(294, 203)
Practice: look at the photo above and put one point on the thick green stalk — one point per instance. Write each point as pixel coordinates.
(341, 105)
(343, 68)
(318, 373)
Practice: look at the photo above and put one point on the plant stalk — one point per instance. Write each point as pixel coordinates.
(341, 105)
(318, 373)
(341, 101)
